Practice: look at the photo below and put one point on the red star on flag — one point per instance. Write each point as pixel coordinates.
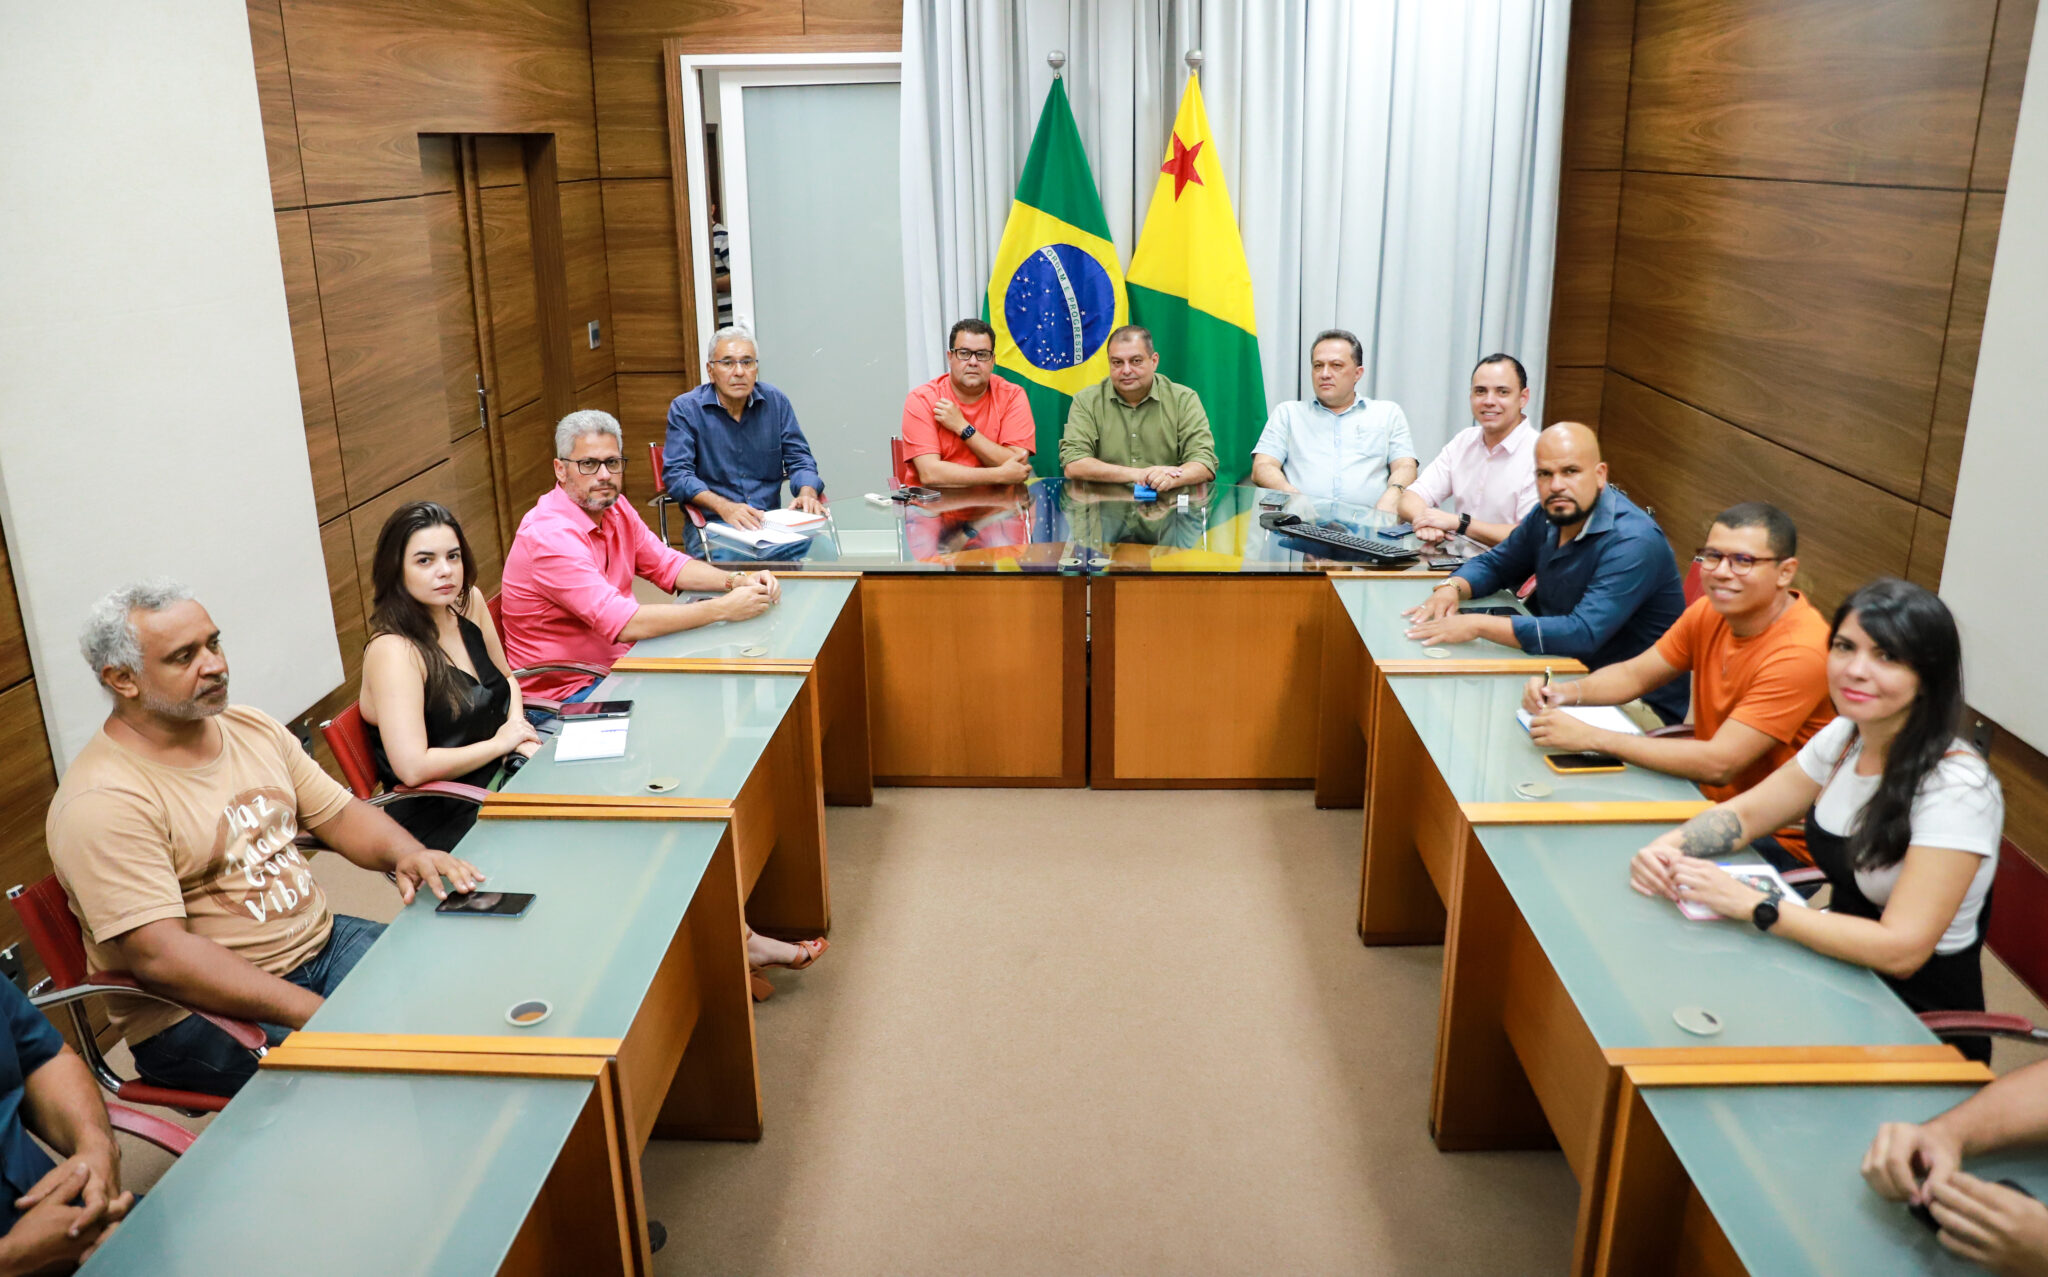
(1182, 165)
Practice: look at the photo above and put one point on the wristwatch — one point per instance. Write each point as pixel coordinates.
(732, 581)
(966, 433)
(1765, 915)
(1464, 521)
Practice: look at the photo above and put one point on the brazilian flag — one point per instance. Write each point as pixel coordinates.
(1056, 292)
(1190, 285)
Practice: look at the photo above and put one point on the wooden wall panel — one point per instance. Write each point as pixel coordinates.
(856, 17)
(643, 411)
(2022, 773)
(1812, 314)
(1959, 355)
(466, 489)
(349, 593)
(1596, 85)
(440, 164)
(454, 311)
(1930, 543)
(14, 662)
(582, 205)
(2010, 41)
(1573, 395)
(1870, 91)
(529, 451)
(1690, 466)
(274, 99)
(604, 395)
(500, 160)
(309, 351)
(515, 306)
(646, 290)
(625, 54)
(377, 300)
(1586, 228)
(26, 784)
(369, 77)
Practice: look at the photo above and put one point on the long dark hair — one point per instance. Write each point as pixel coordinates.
(396, 611)
(1910, 625)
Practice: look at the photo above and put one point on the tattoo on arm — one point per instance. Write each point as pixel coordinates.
(1714, 832)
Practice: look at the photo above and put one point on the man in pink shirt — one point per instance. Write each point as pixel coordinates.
(568, 592)
(969, 426)
(1490, 466)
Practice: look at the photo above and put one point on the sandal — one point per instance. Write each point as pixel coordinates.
(812, 951)
(760, 988)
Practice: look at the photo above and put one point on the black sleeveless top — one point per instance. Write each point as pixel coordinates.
(478, 711)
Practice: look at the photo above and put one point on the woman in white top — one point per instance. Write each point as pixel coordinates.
(1903, 817)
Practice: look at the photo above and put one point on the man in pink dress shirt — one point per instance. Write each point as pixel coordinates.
(1490, 466)
(568, 592)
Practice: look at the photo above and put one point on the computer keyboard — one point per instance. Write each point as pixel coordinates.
(1346, 545)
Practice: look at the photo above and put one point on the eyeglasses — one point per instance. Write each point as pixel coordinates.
(591, 465)
(731, 364)
(972, 356)
(1740, 564)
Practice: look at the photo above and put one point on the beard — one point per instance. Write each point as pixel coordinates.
(1577, 514)
(205, 705)
(597, 504)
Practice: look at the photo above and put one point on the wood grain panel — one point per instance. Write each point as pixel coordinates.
(590, 298)
(1810, 314)
(309, 352)
(1573, 395)
(1690, 466)
(643, 413)
(500, 159)
(1981, 221)
(529, 453)
(274, 100)
(647, 289)
(515, 316)
(2011, 40)
(440, 163)
(377, 300)
(881, 18)
(625, 51)
(14, 662)
(369, 77)
(1596, 83)
(2022, 773)
(1930, 543)
(26, 785)
(1587, 222)
(348, 590)
(454, 311)
(1866, 91)
(471, 495)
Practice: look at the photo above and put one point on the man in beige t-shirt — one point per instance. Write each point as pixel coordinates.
(173, 831)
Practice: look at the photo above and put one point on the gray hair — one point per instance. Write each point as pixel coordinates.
(586, 421)
(109, 636)
(732, 332)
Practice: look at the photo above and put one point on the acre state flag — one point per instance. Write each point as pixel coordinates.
(1189, 284)
(1056, 292)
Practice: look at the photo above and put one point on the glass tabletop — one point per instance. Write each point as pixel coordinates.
(353, 1172)
(794, 629)
(1206, 528)
(1376, 604)
(1778, 1166)
(608, 898)
(1629, 961)
(1467, 723)
(702, 732)
(993, 528)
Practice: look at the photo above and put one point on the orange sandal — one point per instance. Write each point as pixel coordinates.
(760, 988)
(812, 951)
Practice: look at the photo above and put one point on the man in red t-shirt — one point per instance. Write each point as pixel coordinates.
(969, 426)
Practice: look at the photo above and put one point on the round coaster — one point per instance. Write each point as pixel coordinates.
(1438, 653)
(754, 650)
(1697, 1020)
(662, 784)
(1070, 563)
(525, 1014)
(1533, 789)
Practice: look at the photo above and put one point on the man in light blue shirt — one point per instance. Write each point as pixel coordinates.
(1340, 445)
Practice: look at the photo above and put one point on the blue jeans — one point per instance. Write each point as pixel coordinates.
(193, 1055)
(542, 717)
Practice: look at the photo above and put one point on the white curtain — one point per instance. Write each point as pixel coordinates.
(1394, 165)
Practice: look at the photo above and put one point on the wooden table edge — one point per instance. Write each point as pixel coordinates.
(762, 665)
(1406, 665)
(1840, 1073)
(438, 1043)
(467, 1064)
(1538, 812)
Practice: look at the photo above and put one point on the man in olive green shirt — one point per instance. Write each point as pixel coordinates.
(1138, 427)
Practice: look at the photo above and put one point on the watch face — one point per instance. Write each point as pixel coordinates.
(1765, 915)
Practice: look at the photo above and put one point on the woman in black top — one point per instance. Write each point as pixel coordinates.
(437, 693)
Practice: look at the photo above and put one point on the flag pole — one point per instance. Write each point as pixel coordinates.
(1056, 59)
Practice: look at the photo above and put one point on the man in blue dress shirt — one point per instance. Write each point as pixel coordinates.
(733, 441)
(1606, 585)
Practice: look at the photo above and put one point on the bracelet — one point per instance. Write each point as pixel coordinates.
(732, 581)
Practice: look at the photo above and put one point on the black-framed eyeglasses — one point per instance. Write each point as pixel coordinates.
(1739, 564)
(730, 364)
(972, 356)
(591, 465)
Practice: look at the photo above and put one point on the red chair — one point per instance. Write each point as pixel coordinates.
(903, 473)
(349, 737)
(1694, 586)
(531, 701)
(53, 933)
(2015, 934)
(662, 500)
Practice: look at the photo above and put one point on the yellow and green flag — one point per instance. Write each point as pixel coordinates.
(1189, 284)
(1057, 291)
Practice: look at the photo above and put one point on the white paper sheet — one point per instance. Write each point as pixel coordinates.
(591, 738)
(1604, 716)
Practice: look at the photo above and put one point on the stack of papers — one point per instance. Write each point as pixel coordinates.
(794, 520)
(755, 538)
(586, 738)
(1607, 717)
(1764, 878)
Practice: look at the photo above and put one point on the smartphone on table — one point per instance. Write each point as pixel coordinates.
(597, 709)
(488, 904)
(1582, 763)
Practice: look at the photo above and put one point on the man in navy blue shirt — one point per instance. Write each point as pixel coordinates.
(1606, 585)
(733, 441)
(56, 1213)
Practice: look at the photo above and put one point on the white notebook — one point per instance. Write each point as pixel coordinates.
(755, 538)
(1764, 878)
(1608, 717)
(587, 738)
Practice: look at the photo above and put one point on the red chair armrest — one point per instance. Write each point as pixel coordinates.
(567, 667)
(245, 1034)
(1677, 731)
(695, 512)
(433, 789)
(542, 703)
(168, 1136)
(1960, 1023)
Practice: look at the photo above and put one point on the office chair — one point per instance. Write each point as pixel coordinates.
(349, 737)
(531, 701)
(2014, 933)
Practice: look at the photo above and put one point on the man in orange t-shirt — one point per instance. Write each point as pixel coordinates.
(1758, 654)
(969, 426)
